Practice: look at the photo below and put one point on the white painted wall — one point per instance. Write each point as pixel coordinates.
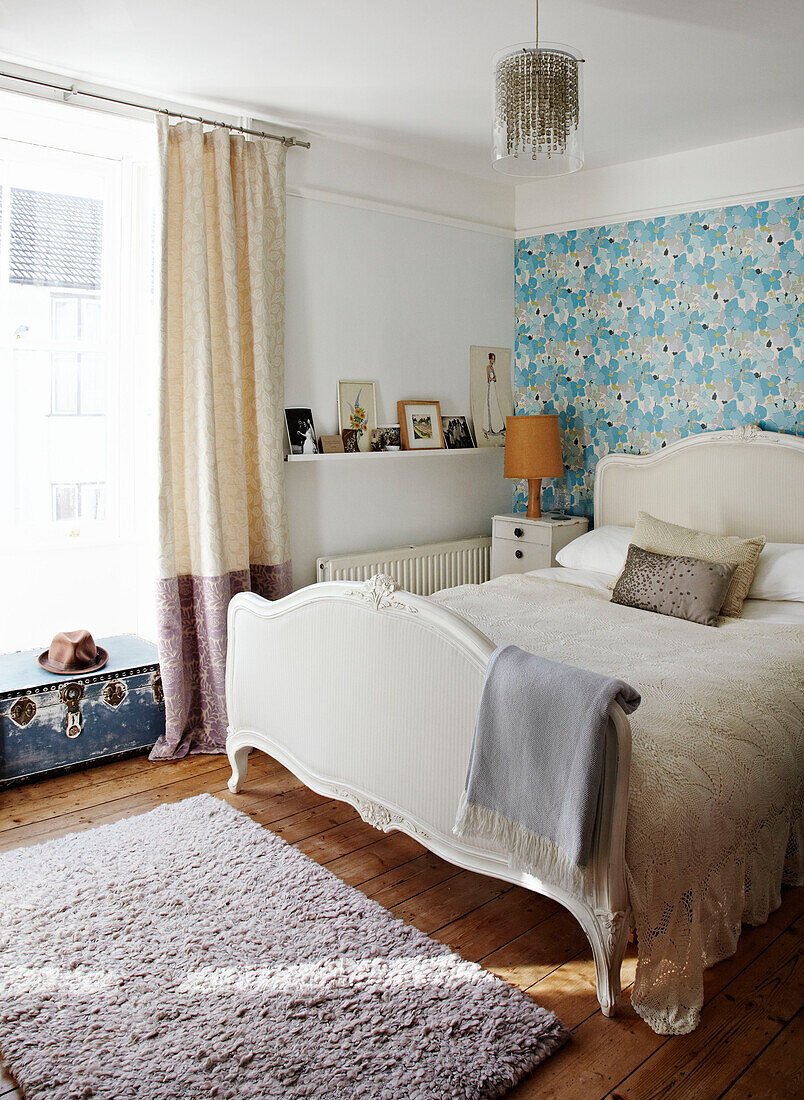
(372, 504)
(353, 175)
(771, 166)
(398, 300)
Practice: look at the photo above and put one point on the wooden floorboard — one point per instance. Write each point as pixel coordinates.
(738, 1023)
(619, 1048)
(778, 1070)
(748, 1046)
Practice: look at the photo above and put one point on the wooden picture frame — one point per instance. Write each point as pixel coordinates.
(420, 425)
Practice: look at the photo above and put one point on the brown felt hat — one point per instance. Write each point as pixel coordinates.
(73, 652)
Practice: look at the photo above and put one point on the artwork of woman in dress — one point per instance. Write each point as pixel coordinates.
(493, 421)
(490, 393)
(309, 446)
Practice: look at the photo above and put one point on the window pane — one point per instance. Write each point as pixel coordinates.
(93, 501)
(93, 384)
(65, 502)
(91, 330)
(65, 383)
(65, 318)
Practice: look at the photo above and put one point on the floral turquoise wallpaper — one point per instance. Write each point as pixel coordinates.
(641, 333)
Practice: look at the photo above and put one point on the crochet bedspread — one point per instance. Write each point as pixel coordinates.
(717, 775)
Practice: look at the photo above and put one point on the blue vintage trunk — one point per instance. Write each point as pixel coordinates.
(50, 721)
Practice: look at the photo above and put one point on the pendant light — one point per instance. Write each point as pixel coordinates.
(538, 100)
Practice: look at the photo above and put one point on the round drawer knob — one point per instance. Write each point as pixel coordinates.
(518, 532)
(519, 553)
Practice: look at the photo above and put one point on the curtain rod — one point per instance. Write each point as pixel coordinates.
(73, 91)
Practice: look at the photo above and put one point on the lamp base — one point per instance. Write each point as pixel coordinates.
(534, 498)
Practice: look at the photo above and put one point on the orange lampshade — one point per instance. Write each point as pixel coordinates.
(533, 447)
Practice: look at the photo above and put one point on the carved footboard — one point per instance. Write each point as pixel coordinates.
(369, 695)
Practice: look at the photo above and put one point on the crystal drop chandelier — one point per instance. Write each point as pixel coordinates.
(538, 124)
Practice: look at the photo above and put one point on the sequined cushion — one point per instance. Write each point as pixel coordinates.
(670, 538)
(687, 588)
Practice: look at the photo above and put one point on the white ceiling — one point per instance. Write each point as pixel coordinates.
(412, 77)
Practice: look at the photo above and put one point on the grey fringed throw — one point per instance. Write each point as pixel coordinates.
(536, 766)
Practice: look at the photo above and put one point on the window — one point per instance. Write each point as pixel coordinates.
(77, 372)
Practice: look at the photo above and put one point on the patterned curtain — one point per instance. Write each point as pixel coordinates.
(222, 521)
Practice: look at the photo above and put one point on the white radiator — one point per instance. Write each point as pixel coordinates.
(418, 569)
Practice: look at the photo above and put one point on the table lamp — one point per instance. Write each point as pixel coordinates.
(533, 451)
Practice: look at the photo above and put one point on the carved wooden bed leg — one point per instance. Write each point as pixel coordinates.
(609, 940)
(238, 758)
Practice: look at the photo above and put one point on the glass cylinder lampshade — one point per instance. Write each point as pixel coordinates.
(538, 110)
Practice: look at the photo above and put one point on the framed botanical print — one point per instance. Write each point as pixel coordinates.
(420, 425)
(357, 410)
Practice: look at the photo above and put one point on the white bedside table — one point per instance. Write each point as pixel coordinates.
(519, 544)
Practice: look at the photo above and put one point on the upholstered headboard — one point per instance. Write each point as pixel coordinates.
(744, 482)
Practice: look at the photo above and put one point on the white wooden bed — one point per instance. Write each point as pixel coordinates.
(369, 695)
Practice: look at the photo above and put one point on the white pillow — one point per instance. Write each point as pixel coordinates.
(780, 573)
(603, 550)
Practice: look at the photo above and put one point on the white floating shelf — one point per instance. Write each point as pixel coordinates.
(385, 455)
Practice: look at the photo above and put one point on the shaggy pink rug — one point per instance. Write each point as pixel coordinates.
(190, 953)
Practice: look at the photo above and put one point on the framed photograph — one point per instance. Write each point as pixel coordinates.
(420, 425)
(456, 433)
(301, 431)
(392, 437)
(357, 410)
(491, 398)
(385, 438)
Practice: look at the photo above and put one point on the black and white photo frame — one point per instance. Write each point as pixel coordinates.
(301, 431)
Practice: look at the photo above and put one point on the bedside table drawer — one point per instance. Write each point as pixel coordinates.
(540, 534)
(517, 556)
